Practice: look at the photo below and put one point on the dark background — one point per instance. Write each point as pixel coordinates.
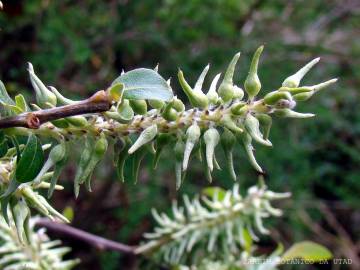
(81, 46)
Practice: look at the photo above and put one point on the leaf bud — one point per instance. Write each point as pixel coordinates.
(139, 106)
(192, 137)
(196, 98)
(43, 94)
(294, 80)
(145, 137)
(252, 83)
(226, 89)
(253, 127)
(211, 138)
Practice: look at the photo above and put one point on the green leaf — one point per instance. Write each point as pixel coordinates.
(4, 96)
(21, 103)
(144, 83)
(308, 251)
(31, 161)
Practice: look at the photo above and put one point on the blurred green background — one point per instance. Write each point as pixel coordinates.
(81, 46)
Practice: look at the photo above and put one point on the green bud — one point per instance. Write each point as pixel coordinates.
(226, 89)
(211, 138)
(229, 123)
(252, 82)
(265, 121)
(212, 95)
(77, 121)
(292, 114)
(196, 98)
(273, 97)
(145, 137)
(43, 94)
(156, 104)
(239, 108)
(246, 140)
(294, 80)
(252, 126)
(179, 150)
(100, 147)
(227, 140)
(60, 98)
(139, 106)
(169, 113)
(303, 96)
(238, 93)
(192, 137)
(178, 105)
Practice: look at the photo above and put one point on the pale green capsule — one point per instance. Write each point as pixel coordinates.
(146, 136)
(246, 141)
(179, 150)
(60, 98)
(294, 80)
(252, 83)
(139, 106)
(156, 104)
(227, 140)
(196, 98)
(229, 123)
(211, 139)
(253, 128)
(212, 95)
(178, 105)
(226, 89)
(192, 137)
(265, 121)
(273, 97)
(292, 114)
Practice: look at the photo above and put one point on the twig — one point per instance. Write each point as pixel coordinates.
(93, 240)
(99, 102)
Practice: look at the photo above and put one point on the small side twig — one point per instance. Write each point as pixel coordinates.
(93, 240)
(99, 102)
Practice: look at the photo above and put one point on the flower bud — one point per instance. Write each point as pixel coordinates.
(139, 106)
(246, 140)
(212, 95)
(169, 113)
(226, 89)
(252, 83)
(192, 137)
(145, 137)
(252, 126)
(292, 114)
(77, 121)
(239, 108)
(230, 123)
(273, 97)
(43, 95)
(265, 121)
(196, 98)
(227, 140)
(294, 80)
(211, 138)
(178, 105)
(156, 104)
(238, 93)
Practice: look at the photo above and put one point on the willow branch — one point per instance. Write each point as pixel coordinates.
(99, 102)
(93, 240)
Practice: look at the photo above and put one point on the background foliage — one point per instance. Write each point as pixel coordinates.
(81, 46)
